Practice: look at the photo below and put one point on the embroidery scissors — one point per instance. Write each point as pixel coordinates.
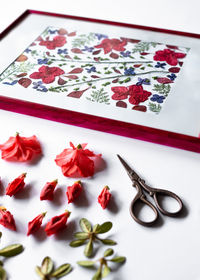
(141, 188)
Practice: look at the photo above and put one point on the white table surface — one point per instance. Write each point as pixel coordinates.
(168, 251)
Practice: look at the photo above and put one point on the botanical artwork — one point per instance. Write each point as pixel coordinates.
(121, 72)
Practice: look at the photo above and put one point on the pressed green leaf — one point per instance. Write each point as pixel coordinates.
(2, 273)
(62, 270)
(81, 235)
(106, 271)
(47, 266)
(96, 228)
(108, 241)
(105, 227)
(118, 259)
(77, 243)
(86, 263)
(97, 275)
(11, 250)
(39, 272)
(108, 252)
(88, 249)
(85, 225)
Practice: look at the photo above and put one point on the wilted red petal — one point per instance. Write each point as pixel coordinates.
(77, 93)
(25, 82)
(174, 69)
(62, 31)
(121, 104)
(104, 197)
(76, 71)
(120, 93)
(71, 34)
(16, 185)
(76, 50)
(141, 108)
(35, 224)
(47, 192)
(74, 191)
(164, 80)
(57, 223)
(7, 219)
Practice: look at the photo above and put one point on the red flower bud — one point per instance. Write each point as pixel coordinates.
(104, 197)
(35, 224)
(47, 191)
(20, 148)
(16, 185)
(74, 191)
(7, 219)
(57, 223)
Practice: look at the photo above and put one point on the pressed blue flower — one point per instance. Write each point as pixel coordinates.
(92, 69)
(28, 50)
(43, 89)
(42, 61)
(64, 51)
(88, 49)
(11, 84)
(160, 65)
(100, 36)
(129, 71)
(157, 98)
(39, 86)
(52, 31)
(172, 76)
(143, 82)
(125, 54)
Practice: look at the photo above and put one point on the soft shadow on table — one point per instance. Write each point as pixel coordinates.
(26, 192)
(40, 235)
(99, 164)
(113, 205)
(2, 191)
(82, 200)
(35, 160)
(68, 232)
(59, 196)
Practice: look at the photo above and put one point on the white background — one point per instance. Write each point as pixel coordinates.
(169, 251)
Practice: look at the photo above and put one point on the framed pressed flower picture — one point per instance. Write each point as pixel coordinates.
(129, 80)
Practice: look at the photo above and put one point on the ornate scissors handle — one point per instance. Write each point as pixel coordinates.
(154, 193)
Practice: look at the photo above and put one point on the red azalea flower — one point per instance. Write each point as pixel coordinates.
(58, 41)
(16, 185)
(47, 74)
(7, 219)
(76, 161)
(35, 224)
(137, 94)
(74, 191)
(104, 197)
(57, 223)
(171, 57)
(112, 44)
(20, 148)
(48, 190)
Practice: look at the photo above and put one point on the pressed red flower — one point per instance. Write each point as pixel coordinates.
(35, 224)
(74, 191)
(57, 223)
(20, 148)
(171, 57)
(136, 94)
(7, 219)
(47, 74)
(104, 197)
(76, 161)
(16, 185)
(58, 41)
(48, 191)
(112, 44)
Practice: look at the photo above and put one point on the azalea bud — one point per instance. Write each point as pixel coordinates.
(104, 197)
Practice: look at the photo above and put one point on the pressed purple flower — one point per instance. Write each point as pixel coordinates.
(100, 36)
(143, 82)
(42, 61)
(88, 49)
(130, 71)
(160, 65)
(62, 51)
(172, 76)
(157, 98)
(125, 54)
(92, 69)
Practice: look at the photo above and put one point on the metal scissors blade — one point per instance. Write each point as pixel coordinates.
(131, 173)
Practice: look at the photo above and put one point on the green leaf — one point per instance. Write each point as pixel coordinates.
(106, 271)
(108, 241)
(118, 259)
(85, 225)
(96, 228)
(2, 273)
(11, 250)
(86, 263)
(77, 243)
(108, 252)
(81, 235)
(47, 266)
(105, 227)
(62, 270)
(88, 249)
(39, 272)
(97, 275)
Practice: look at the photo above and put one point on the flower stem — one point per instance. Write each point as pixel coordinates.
(99, 62)
(111, 77)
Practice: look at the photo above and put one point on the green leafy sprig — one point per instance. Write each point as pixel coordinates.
(103, 269)
(89, 235)
(7, 252)
(47, 271)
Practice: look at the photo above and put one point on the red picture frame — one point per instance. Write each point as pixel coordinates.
(126, 129)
